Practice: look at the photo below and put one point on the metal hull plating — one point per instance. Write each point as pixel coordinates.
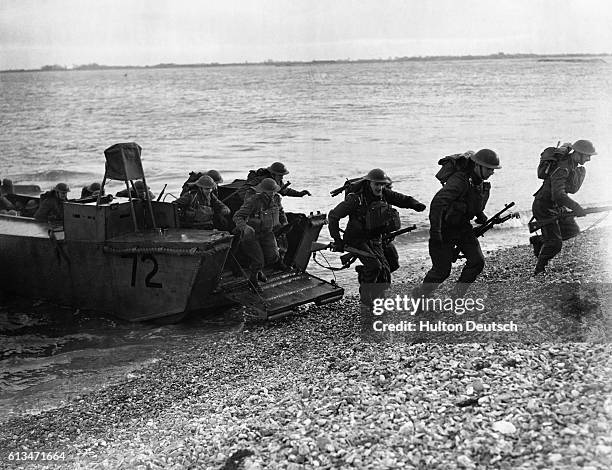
(135, 276)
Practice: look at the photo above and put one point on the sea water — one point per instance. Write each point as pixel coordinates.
(326, 122)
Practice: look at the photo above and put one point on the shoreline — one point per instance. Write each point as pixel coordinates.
(310, 391)
(561, 57)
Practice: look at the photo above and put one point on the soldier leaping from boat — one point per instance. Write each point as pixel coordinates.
(370, 215)
(256, 221)
(276, 171)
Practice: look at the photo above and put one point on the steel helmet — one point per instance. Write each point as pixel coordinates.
(487, 158)
(215, 175)
(94, 187)
(140, 186)
(267, 185)
(205, 182)
(377, 176)
(62, 187)
(278, 168)
(585, 147)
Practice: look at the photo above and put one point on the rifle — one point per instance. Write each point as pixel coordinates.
(388, 237)
(162, 192)
(351, 253)
(346, 185)
(496, 220)
(538, 224)
(489, 224)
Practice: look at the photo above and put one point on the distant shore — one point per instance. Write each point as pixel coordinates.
(281, 63)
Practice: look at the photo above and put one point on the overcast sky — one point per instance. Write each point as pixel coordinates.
(34, 33)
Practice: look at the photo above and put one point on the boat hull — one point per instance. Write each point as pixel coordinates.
(135, 276)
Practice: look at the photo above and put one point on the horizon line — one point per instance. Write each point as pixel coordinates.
(498, 55)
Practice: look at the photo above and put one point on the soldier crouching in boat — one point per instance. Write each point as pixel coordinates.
(256, 221)
(370, 215)
(51, 208)
(563, 172)
(91, 190)
(462, 198)
(138, 191)
(200, 208)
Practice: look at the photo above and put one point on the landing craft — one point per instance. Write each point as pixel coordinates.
(132, 259)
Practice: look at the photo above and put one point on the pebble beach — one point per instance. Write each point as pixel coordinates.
(311, 391)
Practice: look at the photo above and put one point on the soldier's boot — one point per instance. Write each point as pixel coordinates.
(536, 242)
(281, 266)
(254, 281)
(539, 268)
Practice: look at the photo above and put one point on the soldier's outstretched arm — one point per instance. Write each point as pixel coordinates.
(290, 192)
(404, 201)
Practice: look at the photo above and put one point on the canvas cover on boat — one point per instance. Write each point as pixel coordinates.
(123, 162)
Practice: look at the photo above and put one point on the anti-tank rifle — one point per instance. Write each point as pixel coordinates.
(536, 225)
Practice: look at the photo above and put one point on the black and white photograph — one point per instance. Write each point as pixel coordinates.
(281, 234)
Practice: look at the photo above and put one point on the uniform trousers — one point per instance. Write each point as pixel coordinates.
(261, 249)
(553, 234)
(443, 255)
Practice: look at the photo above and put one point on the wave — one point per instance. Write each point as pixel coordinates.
(53, 176)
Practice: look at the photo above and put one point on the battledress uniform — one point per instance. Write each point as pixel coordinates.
(549, 200)
(463, 197)
(364, 234)
(257, 176)
(202, 211)
(263, 213)
(51, 208)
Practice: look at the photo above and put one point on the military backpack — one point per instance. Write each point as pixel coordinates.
(452, 164)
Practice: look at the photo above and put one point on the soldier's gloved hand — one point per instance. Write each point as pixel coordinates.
(420, 207)
(305, 192)
(338, 245)
(481, 218)
(435, 236)
(578, 211)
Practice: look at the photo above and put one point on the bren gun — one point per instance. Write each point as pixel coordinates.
(538, 224)
(353, 253)
(489, 224)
